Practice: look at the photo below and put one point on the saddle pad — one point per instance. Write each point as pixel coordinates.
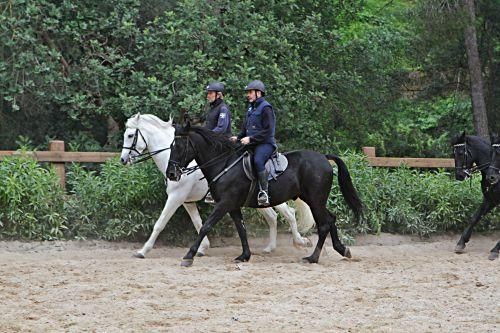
(275, 166)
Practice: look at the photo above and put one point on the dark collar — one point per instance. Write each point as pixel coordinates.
(216, 103)
(258, 101)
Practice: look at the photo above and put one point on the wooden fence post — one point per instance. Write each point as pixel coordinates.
(58, 146)
(369, 151)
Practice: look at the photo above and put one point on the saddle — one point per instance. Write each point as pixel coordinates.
(275, 166)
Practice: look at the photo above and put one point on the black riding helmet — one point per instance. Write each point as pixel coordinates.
(256, 85)
(215, 86)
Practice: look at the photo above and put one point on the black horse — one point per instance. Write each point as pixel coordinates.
(493, 176)
(469, 150)
(308, 176)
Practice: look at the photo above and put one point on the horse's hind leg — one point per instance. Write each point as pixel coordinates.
(289, 214)
(485, 207)
(319, 214)
(238, 221)
(272, 220)
(494, 252)
(194, 214)
(337, 244)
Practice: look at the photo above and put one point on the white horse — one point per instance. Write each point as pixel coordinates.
(150, 133)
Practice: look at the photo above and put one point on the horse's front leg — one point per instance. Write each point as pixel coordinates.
(214, 217)
(242, 232)
(494, 252)
(485, 207)
(194, 214)
(173, 202)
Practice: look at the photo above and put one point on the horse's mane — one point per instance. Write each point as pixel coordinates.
(133, 122)
(462, 138)
(217, 140)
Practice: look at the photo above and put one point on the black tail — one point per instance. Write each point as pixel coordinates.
(347, 188)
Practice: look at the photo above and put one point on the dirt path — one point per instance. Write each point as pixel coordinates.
(393, 284)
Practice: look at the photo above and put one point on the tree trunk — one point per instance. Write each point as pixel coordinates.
(476, 80)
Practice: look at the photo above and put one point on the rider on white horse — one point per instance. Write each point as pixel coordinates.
(218, 118)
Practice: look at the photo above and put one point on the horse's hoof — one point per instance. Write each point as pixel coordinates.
(304, 242)
(200, 254)
(459, 249)
(138, 255)
(267, 250)
(186, 262)
(310, 260)
(493, 255)
(241, 259)
(347, 253)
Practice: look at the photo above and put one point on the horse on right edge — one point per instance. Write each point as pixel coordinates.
(472, 154)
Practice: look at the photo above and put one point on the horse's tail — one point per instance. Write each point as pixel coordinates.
(347, 188)
(305, 219)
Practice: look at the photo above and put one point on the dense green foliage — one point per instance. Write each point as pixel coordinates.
(340, 74)
(123, 203)
(410, 201)
(31, 201)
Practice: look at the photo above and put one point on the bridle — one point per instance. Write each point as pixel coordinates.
(190, 170)
(141, 157)
(177, 164)
(467, 153)
(495, 146)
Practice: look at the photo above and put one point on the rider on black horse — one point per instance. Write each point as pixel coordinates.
(258, 129)
(218, 118)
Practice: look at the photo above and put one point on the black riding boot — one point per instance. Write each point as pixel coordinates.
(263, 197)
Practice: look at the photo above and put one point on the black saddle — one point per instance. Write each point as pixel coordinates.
(275, 166)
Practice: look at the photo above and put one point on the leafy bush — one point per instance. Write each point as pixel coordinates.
(116, 203)
(409, 201)
(31, 200)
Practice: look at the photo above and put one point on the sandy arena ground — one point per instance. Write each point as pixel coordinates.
(392, 284)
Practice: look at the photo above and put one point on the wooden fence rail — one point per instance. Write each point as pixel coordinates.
(58, 157)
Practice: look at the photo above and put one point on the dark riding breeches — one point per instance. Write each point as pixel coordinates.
(261, 155)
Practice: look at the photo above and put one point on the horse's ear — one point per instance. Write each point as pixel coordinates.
(138, 116)
(187, 127)
(494, 138)
(462, 136)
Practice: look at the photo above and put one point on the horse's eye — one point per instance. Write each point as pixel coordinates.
(130, 136)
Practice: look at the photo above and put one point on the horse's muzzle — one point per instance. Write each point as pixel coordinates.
(125, 161)
(493, 178)
(174, 174)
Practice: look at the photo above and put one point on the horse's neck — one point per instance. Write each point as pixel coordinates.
(158, 141)
(211, 171)
(483, 154)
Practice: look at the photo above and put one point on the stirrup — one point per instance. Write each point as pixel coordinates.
(263, 198)
(209, 199)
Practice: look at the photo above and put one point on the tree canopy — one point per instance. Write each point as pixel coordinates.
(340, 74)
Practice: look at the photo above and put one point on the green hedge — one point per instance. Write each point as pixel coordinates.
(410, 201)
(123, 203)
(31, 201)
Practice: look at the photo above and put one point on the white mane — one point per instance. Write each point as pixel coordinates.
(135, 120)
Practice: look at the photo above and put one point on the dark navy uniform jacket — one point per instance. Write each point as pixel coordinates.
(218, 118)
(260, 123)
